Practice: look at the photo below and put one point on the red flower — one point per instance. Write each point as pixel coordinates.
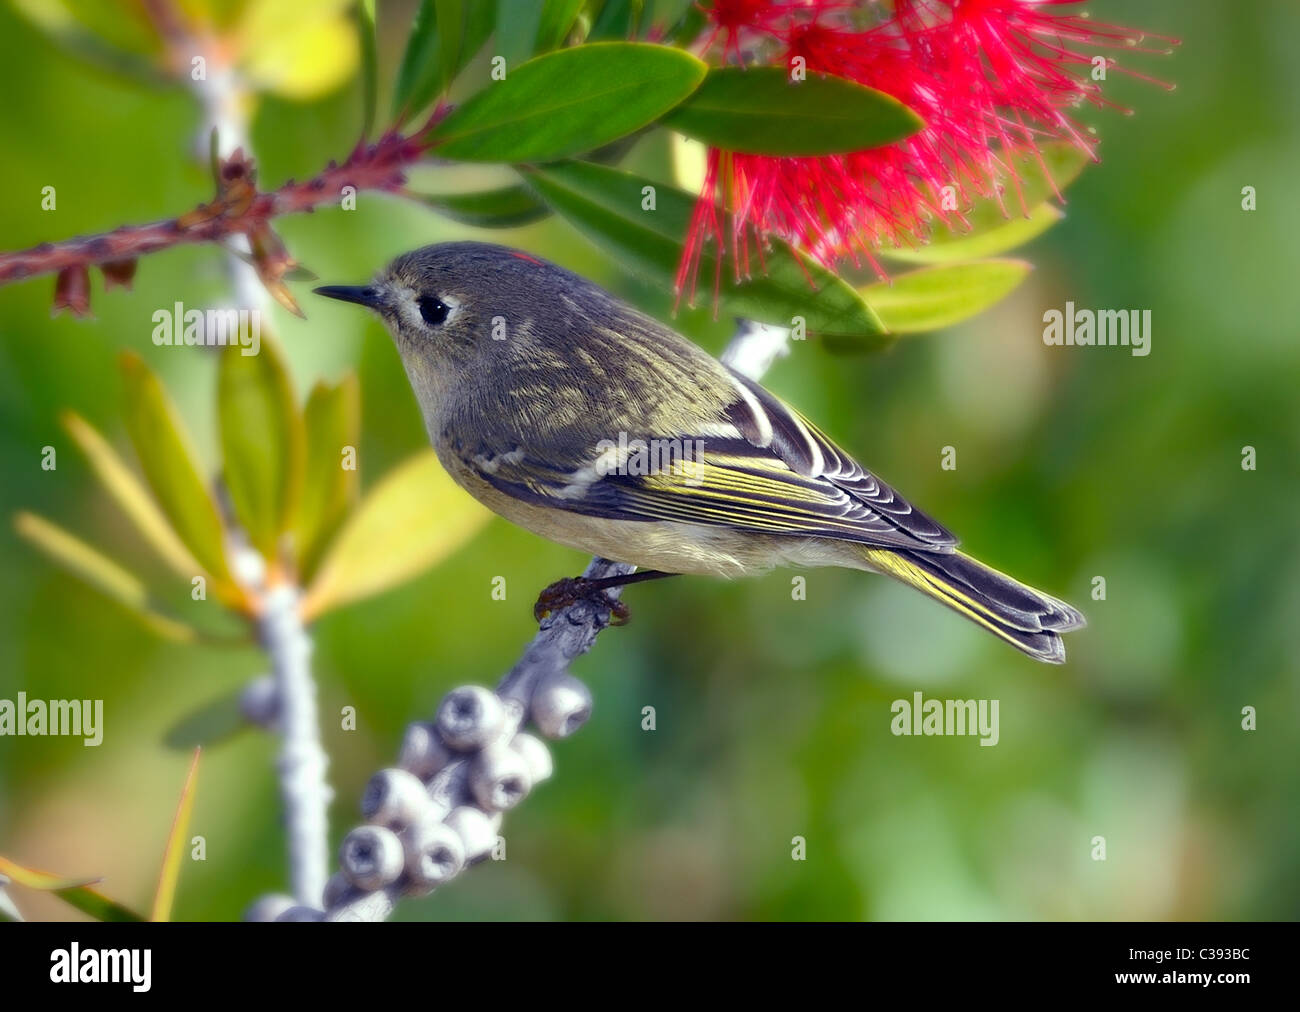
(991, 79)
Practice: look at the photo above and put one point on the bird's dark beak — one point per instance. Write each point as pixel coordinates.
(370, 296)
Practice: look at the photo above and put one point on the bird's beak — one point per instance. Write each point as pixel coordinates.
(370, 296)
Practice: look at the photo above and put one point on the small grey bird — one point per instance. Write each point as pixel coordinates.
(590, 423)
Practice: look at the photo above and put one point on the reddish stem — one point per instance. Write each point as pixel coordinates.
(380, 166)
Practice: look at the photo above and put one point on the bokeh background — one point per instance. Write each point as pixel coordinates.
(773, 714)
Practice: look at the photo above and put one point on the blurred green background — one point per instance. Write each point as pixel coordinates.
(773, 714)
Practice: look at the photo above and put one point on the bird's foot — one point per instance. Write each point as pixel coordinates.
(573, 589)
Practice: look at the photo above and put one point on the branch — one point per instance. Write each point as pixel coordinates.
(238, 209)
(440, 810)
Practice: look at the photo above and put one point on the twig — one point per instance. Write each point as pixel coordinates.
(441, 810)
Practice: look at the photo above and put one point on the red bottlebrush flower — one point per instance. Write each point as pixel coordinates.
(991, 79)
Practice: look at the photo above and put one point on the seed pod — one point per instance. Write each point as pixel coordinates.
(394, 798)
(561, 705)
(268, 908)
(338, 890)
(371, 857)
(498, 776)
(535, 755)
(423, 752)
(302, 914)
(476, 831)
(435, 854)
(260, 703)
(469, 718)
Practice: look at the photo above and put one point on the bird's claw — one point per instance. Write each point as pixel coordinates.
(573, 589)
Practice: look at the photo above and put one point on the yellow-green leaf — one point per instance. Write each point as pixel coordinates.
(936, 297)
(129, 494)
(176, 846)
(76, 892)
(100, 572)
(411, 520)
(261, 442)
(1013, 232)
(333, 424)
(169, 463)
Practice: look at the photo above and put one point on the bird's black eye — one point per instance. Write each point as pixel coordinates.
(433, 309)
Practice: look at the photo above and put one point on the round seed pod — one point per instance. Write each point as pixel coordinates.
(561, 705)
(394, 798)
(477, 831)
(498, 776)
(302, 914)
(423, 752)
(371, 857)
(536, 756)
(435, 854)
(260, 703)
(469, 718)
(268, 907)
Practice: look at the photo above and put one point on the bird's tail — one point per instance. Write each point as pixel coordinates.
(1030, 621)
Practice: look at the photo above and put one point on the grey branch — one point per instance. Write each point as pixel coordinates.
(440, 809)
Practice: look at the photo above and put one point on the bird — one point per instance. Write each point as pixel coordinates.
(576, 416)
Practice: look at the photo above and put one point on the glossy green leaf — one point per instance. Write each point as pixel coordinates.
(507, 207)
(556, 21)
(759, 110)
(369, 63)
(261, 441)
(1012, 233)
(606, 205)
(444, 38)
(75, 892)
(177, 845)
(214, 721)
(101, 572)
(569, 101)
(131, 496)
(935, 297)
(410, 521)
(170, 467)
(333, 424)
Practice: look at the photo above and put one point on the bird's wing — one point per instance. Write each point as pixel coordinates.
(758, 466)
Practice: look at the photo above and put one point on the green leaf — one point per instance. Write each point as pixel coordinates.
(556, 21)
(213, 722)
(177, 844)
(76, 892)
(131, 496)
(333, 422)
(936, 297)
(518, 25)
(507, 207)
(445, 37)
(163, 447)
(261, 442)
(1020, 211)
(618, 19)
(1013, 232)
(759, 110)
(369, 63)
(567, 102)
(605, 204)
(100, 572)
(409, 522)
